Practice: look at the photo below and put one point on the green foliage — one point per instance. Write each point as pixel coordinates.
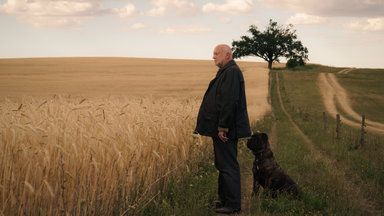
(275, 42)
(294, 62)
(291, 63)
(310, 204)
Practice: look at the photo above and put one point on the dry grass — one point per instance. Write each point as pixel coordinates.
(83, 158)
(102, 136)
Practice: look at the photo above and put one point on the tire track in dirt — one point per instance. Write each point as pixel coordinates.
(346, 71)
(332, 93)
(343, 172)
(343, 99)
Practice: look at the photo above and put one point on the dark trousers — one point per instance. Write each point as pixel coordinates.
(229, 171)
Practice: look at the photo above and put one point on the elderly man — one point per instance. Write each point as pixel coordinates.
(223, 116)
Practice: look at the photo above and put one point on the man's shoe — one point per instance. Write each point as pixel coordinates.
(227, 210)
(219, 204)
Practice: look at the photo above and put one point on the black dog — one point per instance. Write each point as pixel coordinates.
(266, 171)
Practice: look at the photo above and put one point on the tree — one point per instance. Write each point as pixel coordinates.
(275, 42)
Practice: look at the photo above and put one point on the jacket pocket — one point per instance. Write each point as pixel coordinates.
(210, 123)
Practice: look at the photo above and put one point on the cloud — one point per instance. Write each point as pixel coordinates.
(59, 22)
(67, 14)
(53, 8)
(225, 20)
(305, 19)
(230, 7)
(138, 26)
(366, 25)
(180, 7)
(246, 25)
(128, 11)
(330, 8)
(157, 12)
(189, 29)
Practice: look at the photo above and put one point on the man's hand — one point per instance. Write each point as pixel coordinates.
(223, 136)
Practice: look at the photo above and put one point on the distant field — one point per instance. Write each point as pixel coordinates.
(95, 77)
(126, 77)
(103, 136)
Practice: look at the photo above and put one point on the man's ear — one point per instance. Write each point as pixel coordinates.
(228, 55)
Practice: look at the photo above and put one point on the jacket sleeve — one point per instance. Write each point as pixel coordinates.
(227, 98)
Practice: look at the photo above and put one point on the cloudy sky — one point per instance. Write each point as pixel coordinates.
(346, 33)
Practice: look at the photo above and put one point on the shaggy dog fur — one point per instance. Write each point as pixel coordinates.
(266, 171)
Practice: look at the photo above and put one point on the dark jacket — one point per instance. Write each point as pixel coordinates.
(224, 105)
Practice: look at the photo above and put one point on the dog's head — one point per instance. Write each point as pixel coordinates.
(258, 142)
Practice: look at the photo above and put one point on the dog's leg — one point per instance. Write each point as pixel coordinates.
(256, 188)
(256, 184)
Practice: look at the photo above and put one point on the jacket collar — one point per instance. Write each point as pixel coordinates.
(230, 63)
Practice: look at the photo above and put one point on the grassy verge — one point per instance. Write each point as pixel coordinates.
(363, 166)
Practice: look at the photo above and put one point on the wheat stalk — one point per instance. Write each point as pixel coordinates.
(63, 151)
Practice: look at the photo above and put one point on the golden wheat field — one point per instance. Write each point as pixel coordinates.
(102, 136)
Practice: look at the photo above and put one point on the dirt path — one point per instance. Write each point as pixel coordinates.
(346, 71)
(343, 172)
(332, 93)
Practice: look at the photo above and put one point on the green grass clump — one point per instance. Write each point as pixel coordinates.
(194, 195)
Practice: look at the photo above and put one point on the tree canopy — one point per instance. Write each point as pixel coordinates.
(275, 42)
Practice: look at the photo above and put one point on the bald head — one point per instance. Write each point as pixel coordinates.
(224, 48)
(222, 55)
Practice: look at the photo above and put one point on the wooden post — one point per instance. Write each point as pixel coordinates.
(362, 130)
(338, 124)
(325, 121)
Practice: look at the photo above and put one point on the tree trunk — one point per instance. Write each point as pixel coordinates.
(269, 65)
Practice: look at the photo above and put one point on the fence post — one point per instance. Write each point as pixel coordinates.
(325, 121)
(362, 130)
(338, 124)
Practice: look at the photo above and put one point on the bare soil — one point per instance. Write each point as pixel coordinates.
(346, 71)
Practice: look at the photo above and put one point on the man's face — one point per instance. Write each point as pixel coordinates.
(220, 57)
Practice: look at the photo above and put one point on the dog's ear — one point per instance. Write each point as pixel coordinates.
(264, 137)
(251, 143)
